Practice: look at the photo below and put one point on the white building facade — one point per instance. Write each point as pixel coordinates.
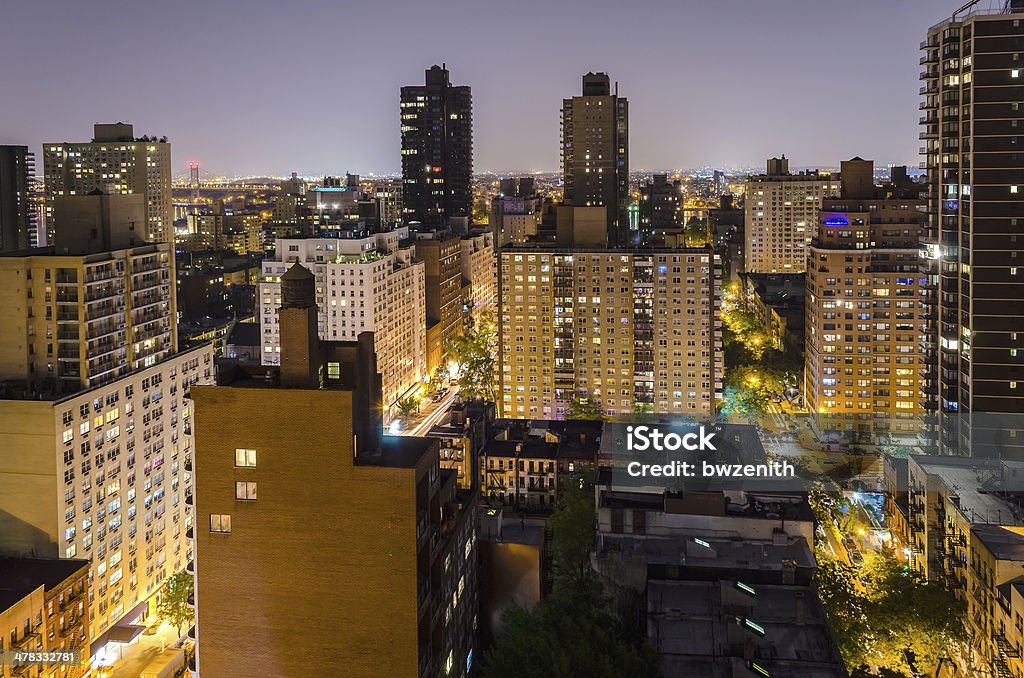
(370, 284)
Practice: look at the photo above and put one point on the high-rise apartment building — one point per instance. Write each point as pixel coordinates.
(95, 435)
(369, 284)
(437, 149)
(479, 269)
(595, 152)
(514, 219)
(659, 201)
(864, 312)
(972, 77)
(631, 329)
(115, 161)
(441, 253)
(388, 194)
(781, 213)
(17, 210)
(388, 584)
(80, 320)
(105, 474)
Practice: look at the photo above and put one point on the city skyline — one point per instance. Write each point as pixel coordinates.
(214, 114)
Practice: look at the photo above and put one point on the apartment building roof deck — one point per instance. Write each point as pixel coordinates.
(544, 246)
(20, 389)
(529, 449)
(763, 505)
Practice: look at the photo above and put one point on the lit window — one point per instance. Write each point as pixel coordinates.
(220, 522)
(245, 491)
(246, 458)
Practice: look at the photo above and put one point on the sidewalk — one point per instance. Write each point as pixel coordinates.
(136, 655)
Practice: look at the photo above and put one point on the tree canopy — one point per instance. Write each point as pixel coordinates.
(584, 408)
(474, 351)
(571, 633)
(174, 606)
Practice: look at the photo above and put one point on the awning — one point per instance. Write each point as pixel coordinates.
(116, 634)
(122, 631)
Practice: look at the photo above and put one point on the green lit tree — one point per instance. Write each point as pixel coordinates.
(572, 534)
(474, 351)
(407, 406)
(581, 407)
(174, 606)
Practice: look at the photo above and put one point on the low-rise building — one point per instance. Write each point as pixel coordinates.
(526, 464)
(462, 435)
(44, 607)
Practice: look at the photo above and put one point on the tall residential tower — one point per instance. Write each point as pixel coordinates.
(17, 211)
(972, 132)
(595, 152)
(115, 161)
(781, 214)
(437, 149)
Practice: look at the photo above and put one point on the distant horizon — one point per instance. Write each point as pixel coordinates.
(724, 84)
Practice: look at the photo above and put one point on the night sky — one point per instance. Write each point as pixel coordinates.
(312, 86)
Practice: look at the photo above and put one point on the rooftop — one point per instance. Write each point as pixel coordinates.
(701, 628)
(397, 452)
(245, 334)
(964, 479)
(736, 555)
(20, 576)
(1005, 543)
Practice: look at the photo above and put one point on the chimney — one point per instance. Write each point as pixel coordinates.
(301, 359)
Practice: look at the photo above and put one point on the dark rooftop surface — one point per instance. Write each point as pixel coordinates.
(397, 452)
(20, 576)
(694, 627)
(546, 439)
(1004, 543)
(245, 334)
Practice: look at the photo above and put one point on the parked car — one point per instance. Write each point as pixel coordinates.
(856, 558)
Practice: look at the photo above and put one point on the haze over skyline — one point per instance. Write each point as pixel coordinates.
(312, 86)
